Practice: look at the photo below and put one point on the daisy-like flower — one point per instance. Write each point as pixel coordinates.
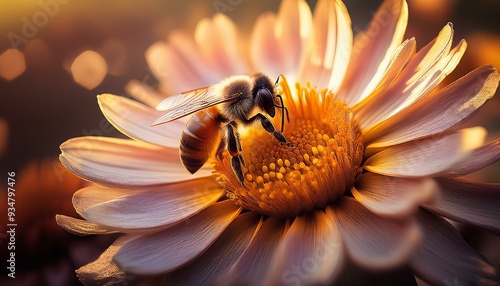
(371, 176)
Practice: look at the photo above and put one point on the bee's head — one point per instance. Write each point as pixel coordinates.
(263, 93)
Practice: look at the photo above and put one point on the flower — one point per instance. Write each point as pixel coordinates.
(373, 169)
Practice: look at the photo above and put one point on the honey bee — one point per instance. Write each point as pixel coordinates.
(218, 111)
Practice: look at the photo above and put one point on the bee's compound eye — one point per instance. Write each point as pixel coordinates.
(266, 101)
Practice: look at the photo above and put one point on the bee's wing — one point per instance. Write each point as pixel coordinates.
(189, 102)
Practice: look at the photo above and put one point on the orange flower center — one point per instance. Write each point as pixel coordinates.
(283, 181)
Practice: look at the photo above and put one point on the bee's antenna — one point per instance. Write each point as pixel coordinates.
(283, 111)
(277, 80)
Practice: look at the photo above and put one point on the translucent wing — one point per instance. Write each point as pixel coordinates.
(189, 102)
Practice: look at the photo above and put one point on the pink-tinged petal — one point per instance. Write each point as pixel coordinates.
(326, 55)
(220, 256)
(293, 27)
(468, 202)
(125, 163)
(159, 57)
(164, 251)
(444, 258)
(265, 51)
(424, 71)
(372, 51)
(156, 207)
(310, 254)
(427, 157)
(218, 42)
(179, 65)
(253, 265)
(104, 270)
(134, 120)
(444, 110)
(81, 227)
(278, 40)
(372, 241)
(392, 196)
(479, 158)
(144, 93)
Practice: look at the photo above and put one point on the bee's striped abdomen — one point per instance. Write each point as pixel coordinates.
(200, 137)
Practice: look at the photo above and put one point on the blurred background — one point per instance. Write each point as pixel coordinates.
(43, 102)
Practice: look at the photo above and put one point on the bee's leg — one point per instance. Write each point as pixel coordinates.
(234, 148)
(269, 127)
(220, 149)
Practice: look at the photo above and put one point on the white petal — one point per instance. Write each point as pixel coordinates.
(254, 263)
(313, 247)
(121, 162)
(81, 227)
(134, 120)
(372, 51)
(104, 271)
(372, 241)
(479, 158)
(427, 157)
(157, 207)
(167, 250)
(468, 202)
(326, 55)
(446, 109)
(392, 196)
(220, 256)
(444, 258)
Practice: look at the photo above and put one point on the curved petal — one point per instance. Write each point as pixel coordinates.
(218, 43)
(444, 110)
(81, 227)
(104, 270)
(220, 256)
(392, 196)
(427, 157)
(418, 79)
(277, 40)
(134, 120)
(311, 252)
(372, 241)
(179, 64)
(327, 52)
(398, 61)
(444, 258)
(265, 51)
(167, 250)
(479, 158)
(253, 264)
(120, 162)
(135, 210)
(372, 51)
(468, 202)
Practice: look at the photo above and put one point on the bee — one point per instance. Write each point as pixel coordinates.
(218, 111)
